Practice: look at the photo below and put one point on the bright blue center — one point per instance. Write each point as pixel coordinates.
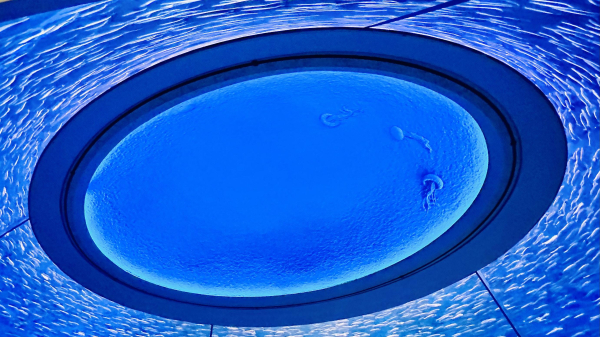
(286, 184)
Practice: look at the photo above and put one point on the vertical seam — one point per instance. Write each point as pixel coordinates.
(500, 306)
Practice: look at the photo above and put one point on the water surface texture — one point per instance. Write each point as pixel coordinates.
(53, 64)
(305, 179)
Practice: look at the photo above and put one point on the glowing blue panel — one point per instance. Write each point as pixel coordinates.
(54, 64)
(48, 55)
(464, 308)
(553, 271)
(548, 283)
(286, 184)
(38, 300)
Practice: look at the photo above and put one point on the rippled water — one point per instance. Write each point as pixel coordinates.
(37, 299)
(549, 281)
(53, 64)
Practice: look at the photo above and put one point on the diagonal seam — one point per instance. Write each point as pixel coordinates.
(15, 227)
(500, 306)
(422, 11)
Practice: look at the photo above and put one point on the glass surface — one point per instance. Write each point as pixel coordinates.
(462, 309)
(286, 184)
(60, 61)
(38, 300)
(548, 282)
(53, 64)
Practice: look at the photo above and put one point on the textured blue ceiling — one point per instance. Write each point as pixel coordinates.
(291, 174)
(52, 64)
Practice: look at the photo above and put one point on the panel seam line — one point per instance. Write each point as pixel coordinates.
(419, 12)
(500, 306)
(12, 229)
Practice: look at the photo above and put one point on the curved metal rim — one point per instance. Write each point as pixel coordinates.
(525, 133)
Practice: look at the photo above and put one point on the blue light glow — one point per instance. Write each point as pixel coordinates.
(286, 184)
(53, 64)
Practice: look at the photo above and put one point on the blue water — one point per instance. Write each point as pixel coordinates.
(53, 64)
(286, 184)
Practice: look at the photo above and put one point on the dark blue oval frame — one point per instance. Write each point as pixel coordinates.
(525, 137)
